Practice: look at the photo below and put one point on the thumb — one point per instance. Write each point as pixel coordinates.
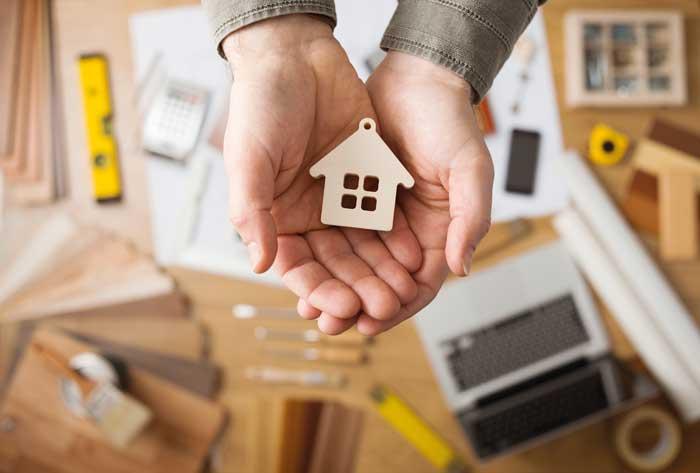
(470, 188)
(251, 193)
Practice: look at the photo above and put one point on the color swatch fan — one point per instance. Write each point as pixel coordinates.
(53, 265)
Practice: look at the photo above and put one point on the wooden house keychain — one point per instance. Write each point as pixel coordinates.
(361, 176)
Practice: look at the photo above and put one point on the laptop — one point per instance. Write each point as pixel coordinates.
(520, 352)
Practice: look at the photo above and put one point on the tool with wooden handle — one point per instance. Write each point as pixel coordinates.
(308, 378)
(340, 356)
(350, 337)
(118, 416)
(247, 311)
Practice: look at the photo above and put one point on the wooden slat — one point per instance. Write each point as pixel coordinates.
(675, 137)
(13, 161)
(679, 227)
(299, 428)
(335, 446)
(641, 202)
(656, 158)
(182, 338)
(9, 41)
(36, 182)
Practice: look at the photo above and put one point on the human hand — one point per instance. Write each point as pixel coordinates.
(295, 97)
(426, 118)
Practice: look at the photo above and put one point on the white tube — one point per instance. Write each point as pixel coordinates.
(640, 271)
(656, 351)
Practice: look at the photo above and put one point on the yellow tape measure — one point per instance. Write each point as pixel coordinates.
(414, 429)
(97, 106)
(607, 146)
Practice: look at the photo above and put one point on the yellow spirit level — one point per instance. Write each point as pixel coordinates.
(97, 106)
(423, 438)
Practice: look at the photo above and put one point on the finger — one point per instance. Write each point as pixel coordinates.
(333, 326)
(402, 243)
(429, 279)
(332, 250)
(307, 311)
(470, 186)
(251, 192)
(309, 280)
(367, 246)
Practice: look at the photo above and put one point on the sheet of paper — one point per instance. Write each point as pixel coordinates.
(183, 39)
(212, 245)
(361, 24)
(538, 112)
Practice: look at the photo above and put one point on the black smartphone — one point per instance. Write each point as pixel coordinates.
(522, 163)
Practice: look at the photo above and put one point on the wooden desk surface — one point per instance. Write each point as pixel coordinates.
(397, 358)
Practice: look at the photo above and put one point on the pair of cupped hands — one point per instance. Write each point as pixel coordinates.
(294, 98)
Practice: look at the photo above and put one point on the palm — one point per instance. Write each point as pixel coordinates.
(290, 138)
(431, 127)
(277, 132)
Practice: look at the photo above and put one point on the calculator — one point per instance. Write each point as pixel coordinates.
(174, 120)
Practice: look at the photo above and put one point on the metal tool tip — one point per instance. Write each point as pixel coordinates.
(243, 311)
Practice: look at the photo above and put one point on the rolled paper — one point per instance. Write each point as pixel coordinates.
(619, 241)
(629, 311)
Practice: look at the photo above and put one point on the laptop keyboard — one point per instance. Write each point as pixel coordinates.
(522, 421)
(514, 343)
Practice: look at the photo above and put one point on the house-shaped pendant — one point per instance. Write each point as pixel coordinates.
(361, 176)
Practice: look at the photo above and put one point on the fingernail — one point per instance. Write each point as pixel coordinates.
(468, 261)
(254, 254)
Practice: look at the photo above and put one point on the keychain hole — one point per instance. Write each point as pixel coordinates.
(367, 124)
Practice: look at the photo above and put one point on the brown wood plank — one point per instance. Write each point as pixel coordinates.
(9, 43)
(679, 227)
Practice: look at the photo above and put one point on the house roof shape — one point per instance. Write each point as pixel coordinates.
(364, 152)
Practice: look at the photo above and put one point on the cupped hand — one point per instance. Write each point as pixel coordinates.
(427, 119)
(294, 98)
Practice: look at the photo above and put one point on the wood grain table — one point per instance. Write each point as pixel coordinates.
(396, 358)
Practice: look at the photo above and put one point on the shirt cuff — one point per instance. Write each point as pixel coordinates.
(472, 38)
(227, 16)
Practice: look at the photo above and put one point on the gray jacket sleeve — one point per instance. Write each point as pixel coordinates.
(227, 16)
(473, 38)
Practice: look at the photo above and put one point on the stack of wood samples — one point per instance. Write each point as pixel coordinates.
(29, 133)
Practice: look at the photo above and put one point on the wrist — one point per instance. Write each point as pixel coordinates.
(278, 35)
(420, 68)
